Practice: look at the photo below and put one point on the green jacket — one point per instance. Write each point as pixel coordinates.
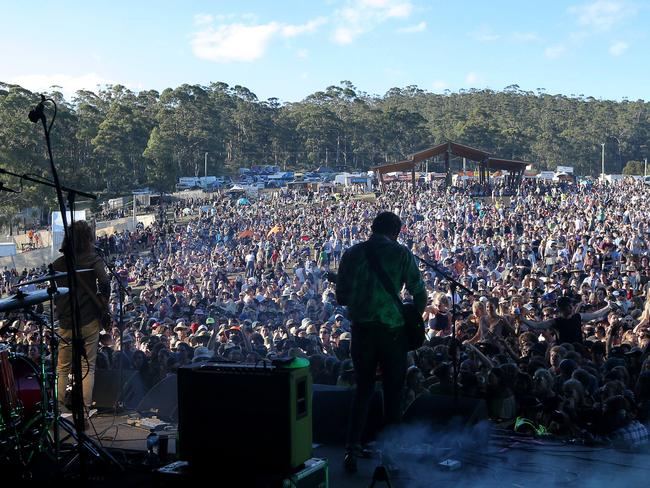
(359, 288)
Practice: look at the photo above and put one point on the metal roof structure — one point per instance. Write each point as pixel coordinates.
(486, 162)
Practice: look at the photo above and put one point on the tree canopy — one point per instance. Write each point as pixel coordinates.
(116, 140)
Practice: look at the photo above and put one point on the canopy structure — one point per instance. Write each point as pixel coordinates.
(485, 161)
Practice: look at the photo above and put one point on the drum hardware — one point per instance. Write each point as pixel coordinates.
(49, 276)
(23, 300)
(29, 407)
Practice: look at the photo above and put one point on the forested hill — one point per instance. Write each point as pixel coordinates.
(116, 139)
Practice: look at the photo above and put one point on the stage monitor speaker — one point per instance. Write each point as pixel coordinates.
(332, 408)
(442, 410)
(110, 382)
(162, 399)
(244, 418)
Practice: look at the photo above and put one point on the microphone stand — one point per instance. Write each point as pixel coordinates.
(84, 443)
(122, 292)
(77, 343)
(453, 285)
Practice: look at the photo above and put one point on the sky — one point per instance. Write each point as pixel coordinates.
(290, 49)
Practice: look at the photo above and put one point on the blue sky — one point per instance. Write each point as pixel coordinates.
(289, 49)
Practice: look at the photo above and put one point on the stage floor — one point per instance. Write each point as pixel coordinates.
(488, 457)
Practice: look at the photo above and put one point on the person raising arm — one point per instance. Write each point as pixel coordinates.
(568, 325)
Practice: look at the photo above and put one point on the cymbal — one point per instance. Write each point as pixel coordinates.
(49, 277)
(25, 300)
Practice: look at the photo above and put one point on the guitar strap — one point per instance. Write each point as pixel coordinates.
(381, 274)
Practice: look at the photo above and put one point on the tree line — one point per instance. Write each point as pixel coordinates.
(114, 140)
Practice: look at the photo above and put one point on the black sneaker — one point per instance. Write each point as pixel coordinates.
(350, 461)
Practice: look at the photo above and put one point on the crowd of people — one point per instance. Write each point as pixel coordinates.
(244, 282)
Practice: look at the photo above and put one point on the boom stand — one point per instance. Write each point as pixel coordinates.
(77, 340)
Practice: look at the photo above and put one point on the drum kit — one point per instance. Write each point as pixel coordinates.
(30, 422)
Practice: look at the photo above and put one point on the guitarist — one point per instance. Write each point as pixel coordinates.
(378, 334)
(92, 295)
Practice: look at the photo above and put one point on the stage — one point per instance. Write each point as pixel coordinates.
(482, 456)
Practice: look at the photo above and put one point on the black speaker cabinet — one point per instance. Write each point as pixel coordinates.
(244, 418)
(161, 399)
(113, 386)
(332, 410)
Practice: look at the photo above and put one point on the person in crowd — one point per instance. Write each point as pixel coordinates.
(544, 263)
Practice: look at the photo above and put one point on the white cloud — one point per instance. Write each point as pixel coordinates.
(472, 78)
(344, 35)
(618, 48)
(554, 51)
(525, 37)
(309, 27)
(421, 27)
(360, 16)
(439, 85)
(487, 37)
(602, 14)
(302, 53)
(401, 11)
(69, 84)
(244, 42)
(234, 42)
(202, 19)
(485, 34)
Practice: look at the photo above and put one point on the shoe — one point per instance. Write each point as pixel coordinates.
(91, 413)
(350, 462)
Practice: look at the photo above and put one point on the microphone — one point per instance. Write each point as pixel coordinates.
(36, 113)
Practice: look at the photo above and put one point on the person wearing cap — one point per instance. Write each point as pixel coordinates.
(377, 321)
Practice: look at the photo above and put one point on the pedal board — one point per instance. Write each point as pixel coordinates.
(149, 423)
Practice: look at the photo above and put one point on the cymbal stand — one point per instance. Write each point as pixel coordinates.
(49, 420)
(48, 382)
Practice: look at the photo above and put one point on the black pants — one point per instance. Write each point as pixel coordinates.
(374, 344)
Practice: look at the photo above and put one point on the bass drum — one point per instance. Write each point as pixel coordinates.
(28, 385)
(9, 403)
